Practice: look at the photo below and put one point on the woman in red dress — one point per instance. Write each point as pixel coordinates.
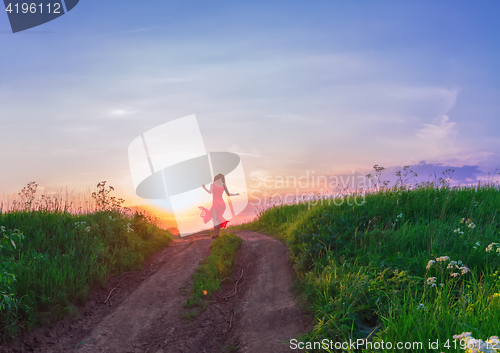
(218, 206)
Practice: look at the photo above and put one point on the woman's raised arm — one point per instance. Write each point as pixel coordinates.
(228, 193)
(209, 191)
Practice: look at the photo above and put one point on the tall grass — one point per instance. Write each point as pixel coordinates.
(412, 264)
(50, 257)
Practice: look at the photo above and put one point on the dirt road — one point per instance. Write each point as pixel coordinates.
(261, 317)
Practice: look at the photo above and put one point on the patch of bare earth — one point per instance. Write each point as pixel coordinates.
(254, 311)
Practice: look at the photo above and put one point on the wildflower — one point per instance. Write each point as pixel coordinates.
(477, 245)
(462, 221)
(464, 335)
(454, 274)
(421, 307)
(458, 231)
(489, 248)
(452, 264)
(493, 342)
(441, 284)
(431, 281)
(472, 225)
(443, 258)
(87, 229)
(204, 292)
(464, 269)
(430, 263)
(3, 229)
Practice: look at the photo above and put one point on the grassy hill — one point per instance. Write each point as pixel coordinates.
(50, 258)
(407, 265)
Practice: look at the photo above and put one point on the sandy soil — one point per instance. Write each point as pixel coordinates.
(254, 311)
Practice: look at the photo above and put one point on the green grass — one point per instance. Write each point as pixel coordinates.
(364, 267)
(208, 277)
(58, 256)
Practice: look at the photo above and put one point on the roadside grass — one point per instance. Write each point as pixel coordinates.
(208, 277)
(49, 259)
(411, 265)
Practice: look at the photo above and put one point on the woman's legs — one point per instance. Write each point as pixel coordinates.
(216, 223)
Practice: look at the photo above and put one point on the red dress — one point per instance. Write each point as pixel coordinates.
(218, 207)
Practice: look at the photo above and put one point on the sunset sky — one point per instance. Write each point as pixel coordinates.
(332, 87)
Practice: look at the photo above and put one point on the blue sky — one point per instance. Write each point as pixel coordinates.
(291, 86)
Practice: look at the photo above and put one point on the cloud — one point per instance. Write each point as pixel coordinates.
(119, 113)
(438, 133)
(237, 150)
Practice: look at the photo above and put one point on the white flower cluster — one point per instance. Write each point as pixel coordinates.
(451, 266)
(468, 223)
(442, 258)
(492, 246)
(129, 229)
(472, 345)
(429, 264)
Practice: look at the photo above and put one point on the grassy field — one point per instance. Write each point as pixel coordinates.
(50, 258)
(411, 265)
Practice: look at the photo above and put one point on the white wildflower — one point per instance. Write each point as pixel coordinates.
(489, 248)
(431, 281)
(493, 341)
(430, 263)
(454, 274)
(421, 307)
(452, 264)
(443, 258)
(463, 335)
(472, 225)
